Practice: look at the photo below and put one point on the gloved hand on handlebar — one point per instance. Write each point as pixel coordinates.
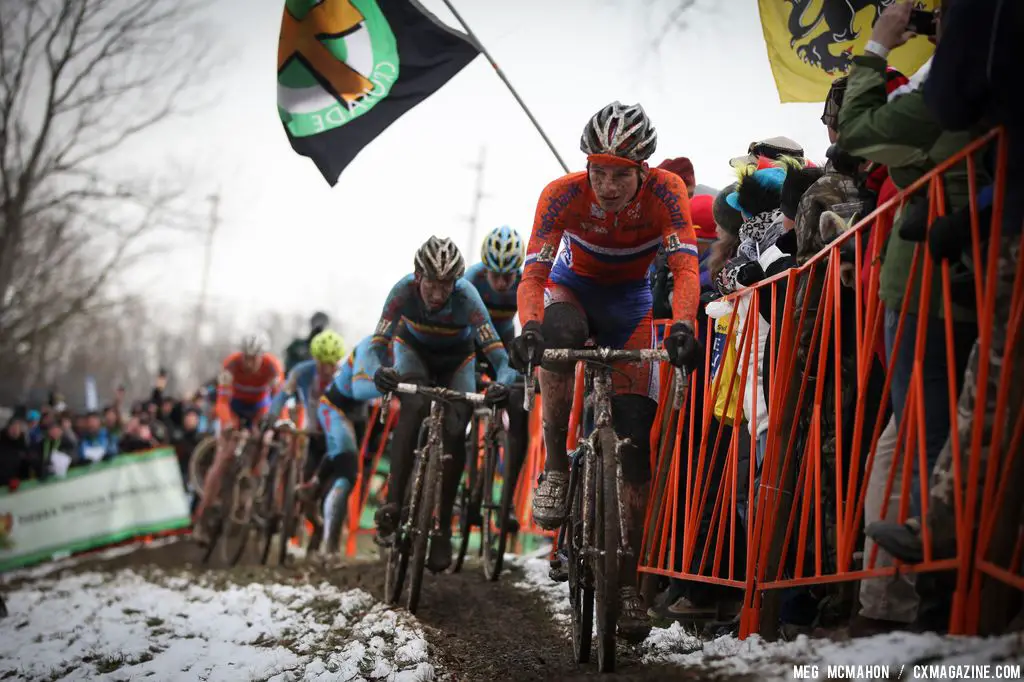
(386, 379)
(682, 346)
(528, 347)
(496, 394)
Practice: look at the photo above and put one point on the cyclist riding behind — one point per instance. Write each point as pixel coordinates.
(496, 278)
(443, 316)
(335, 452)
(610, 219)
(247, 381)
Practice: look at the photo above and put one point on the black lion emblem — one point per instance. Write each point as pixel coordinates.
(835, 19)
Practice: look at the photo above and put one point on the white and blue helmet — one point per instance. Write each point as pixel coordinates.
(503, 250)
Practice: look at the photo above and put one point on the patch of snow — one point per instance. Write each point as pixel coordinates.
(729, 656)
(115, 626)
(535, 568)
(894, 654)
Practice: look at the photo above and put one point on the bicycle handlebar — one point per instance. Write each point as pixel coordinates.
(605, 355)
(432, 392)
(440, 393)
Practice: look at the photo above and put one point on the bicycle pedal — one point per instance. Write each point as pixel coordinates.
(558, 574)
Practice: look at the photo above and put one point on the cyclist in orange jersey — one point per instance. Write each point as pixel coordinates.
(248, 381)
(609, 221)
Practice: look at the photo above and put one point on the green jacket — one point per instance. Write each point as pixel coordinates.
(905, 136)
(296, 352)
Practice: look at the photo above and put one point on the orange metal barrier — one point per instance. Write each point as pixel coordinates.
(361, 490)
(826, 404)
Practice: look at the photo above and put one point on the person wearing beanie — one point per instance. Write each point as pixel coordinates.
(726, 217)
(772, 149)
(682, 167)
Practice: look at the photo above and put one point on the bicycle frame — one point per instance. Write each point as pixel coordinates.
(418, 527)
(601, 448)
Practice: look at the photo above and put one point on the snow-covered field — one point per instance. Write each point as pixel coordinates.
(125, 625)
(148, 623)
(776, 660)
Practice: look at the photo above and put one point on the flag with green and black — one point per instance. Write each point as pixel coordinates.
(347, 69)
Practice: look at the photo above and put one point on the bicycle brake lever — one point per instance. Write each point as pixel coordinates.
(384, 406)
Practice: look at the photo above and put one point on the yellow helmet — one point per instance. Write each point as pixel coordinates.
(328, 347)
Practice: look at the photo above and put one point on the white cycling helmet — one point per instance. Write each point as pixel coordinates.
(439, 259)
(255, 344)
(621, 131)
(503, 250)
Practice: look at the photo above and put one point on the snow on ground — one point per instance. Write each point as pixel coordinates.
(126, 625)
(753, 656)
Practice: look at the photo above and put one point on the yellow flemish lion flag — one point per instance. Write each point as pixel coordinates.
(812, 42)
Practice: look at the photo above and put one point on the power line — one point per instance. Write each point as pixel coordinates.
(478, 197)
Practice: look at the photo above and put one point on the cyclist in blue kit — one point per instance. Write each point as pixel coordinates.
(443, 320)
(496, 278)
(334, 455)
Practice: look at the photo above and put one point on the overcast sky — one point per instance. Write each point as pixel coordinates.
(288, 240)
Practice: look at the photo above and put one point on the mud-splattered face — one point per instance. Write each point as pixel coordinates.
(615, 186)
(435, 292)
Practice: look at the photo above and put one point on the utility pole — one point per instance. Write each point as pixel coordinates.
(211, 231)
(474, 217)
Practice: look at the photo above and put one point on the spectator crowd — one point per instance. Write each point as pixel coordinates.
(887, 130)
(49, 440)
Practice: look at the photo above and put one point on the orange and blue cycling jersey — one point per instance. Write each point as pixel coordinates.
(605, 257)
(611, 251)
(243, 394)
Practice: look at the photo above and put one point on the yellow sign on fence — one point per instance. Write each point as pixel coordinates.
(812, 42)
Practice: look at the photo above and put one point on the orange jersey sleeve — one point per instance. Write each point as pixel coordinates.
(225, 386)
(549, 223)
(679, 241)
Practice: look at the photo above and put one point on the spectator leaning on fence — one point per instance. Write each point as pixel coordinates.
(904, 135)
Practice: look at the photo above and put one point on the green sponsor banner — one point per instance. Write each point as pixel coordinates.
(92, 506)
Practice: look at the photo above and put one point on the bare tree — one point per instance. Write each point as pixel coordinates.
(79, 79)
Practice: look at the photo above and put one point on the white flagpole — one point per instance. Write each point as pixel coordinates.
(504, 79)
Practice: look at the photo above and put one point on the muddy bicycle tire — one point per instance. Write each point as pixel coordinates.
(495, 525)
(424, 524)
(197, 467)
(608, 537)
(466, 495)
(289, 515)
(581, 584)
(270, 520)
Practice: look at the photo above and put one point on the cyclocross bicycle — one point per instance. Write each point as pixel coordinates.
(280, 510)
(420, 517)
(593, 536)
(229, 518)
(481, 502)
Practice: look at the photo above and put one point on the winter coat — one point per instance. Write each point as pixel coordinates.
(905, 136)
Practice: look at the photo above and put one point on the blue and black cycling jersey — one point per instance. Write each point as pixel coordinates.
(444, 336)
(501, 305)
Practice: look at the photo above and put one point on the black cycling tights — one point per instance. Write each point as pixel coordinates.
(415, 409)
(518, 433)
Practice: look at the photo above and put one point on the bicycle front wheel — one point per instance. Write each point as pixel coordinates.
(289, 514)
(200, 462)
(424, 523)
(467, 492)
(581, 582)
(496, 512)
(606, 564)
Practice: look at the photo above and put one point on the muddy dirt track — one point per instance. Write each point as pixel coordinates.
(479, 630)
